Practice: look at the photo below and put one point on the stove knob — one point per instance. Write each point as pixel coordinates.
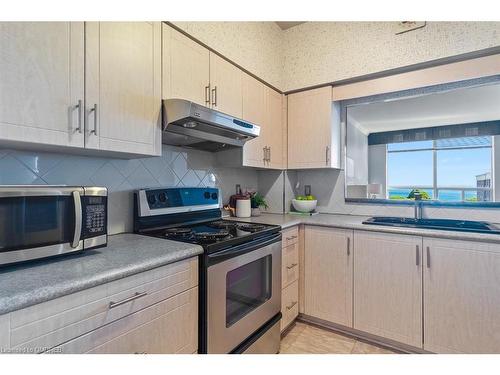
(207, 195)
(214, 196)
(151, 199)
(162, 197)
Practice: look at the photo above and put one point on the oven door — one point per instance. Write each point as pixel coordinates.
(244, 292)
(38, 222)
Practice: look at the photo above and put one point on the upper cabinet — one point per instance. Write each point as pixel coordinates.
(123, 87)
(186, 68)
(192, 72)
(225, 86)
(95, 87)
(313, 130)
(42, 82)
(263, 106)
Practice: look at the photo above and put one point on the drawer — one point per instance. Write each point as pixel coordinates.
(289, 264)
(168, 327)
(290, 236)
(48, 324)
(289, 304)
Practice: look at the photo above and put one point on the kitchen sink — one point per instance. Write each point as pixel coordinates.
(441, 224)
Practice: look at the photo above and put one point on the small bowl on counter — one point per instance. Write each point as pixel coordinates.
(305, 206)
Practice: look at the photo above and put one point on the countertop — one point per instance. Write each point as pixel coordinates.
(356, 222)
(125, 255)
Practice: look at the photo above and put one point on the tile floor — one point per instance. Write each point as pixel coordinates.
(308, 339)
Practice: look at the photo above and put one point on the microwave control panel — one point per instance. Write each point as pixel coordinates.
(94, 216)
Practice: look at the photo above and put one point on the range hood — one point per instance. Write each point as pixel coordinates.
(192, 125)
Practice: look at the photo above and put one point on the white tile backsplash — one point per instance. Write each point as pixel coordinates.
(176, 167)
(328, 186)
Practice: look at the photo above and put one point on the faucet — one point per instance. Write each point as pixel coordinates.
(418, 206)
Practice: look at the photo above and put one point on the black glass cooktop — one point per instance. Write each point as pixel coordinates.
(214, 235)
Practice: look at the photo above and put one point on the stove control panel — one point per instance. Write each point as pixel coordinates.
(170, 198)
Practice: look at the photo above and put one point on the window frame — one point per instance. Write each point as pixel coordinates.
(435, 187)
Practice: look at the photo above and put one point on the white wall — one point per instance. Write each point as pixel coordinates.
(320, 52)
(377, 168)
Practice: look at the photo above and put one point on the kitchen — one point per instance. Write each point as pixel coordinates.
(249, 187)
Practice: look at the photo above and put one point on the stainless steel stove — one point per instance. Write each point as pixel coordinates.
(240, 269)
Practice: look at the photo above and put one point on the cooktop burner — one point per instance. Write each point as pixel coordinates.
(223, 224)
(249, 227)
(213, 234)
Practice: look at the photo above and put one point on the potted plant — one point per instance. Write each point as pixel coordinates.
(257, 201)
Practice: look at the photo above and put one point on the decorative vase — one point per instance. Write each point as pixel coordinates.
(256, 211)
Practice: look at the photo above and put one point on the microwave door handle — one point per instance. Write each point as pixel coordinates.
(78, 219)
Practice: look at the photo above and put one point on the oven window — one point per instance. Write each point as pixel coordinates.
(247, 287)
(36, 221)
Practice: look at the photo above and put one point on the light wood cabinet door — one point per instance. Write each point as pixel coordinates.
(310, 129)
(42, 82)
(289, 304)
(328, 271)
(254, 110)
(274, 128)
(186, 68)
(388, 286)
(123, 87)
(225, 86)
(461, 296)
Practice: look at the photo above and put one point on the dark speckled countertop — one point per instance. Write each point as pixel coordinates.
(125, 255)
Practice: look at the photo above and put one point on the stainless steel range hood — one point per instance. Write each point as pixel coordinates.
(192, 125)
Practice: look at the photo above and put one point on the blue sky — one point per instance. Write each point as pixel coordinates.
(455, 167)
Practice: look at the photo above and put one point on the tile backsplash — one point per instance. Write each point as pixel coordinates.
(328, 186)
(176, 167)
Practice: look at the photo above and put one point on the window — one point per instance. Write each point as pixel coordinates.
(457, 169)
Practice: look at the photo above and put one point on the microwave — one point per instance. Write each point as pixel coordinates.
(41, 221)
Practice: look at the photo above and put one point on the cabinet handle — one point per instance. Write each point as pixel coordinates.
(417, 255)
(94, 109)
(292, 305)
(293, 265)
(291, 238)
(207, 94)
(428, 257)
(348, 246)
(127, 300)
(327, 154)
(264, 155)
(214, 96)
(269, 154)
(79, 106)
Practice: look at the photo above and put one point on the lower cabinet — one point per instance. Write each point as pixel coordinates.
(461, 296)
(289, 276)
(328, 271)
(289, 304)
(388, 286)
(155, 311)
(167, 327)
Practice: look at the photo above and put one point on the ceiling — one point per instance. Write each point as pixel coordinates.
(446, 108)
(284, 25)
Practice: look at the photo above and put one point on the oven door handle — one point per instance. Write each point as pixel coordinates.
(235, 251)
(78, 219)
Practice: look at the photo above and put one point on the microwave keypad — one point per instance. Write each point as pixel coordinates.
(95, 218)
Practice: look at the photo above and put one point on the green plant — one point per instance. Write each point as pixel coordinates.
(257, 200)
(424, 195)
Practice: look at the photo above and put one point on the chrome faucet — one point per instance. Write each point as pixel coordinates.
(418, 206)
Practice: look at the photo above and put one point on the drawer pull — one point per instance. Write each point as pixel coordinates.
(127, 300)
(291, 238)
(291, 306)
(293, 265)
